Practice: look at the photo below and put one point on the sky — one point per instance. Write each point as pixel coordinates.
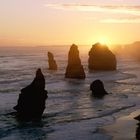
(59, 22)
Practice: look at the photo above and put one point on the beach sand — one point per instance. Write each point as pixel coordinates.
(124, 128)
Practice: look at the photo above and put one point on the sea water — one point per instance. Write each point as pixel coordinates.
(71, 112)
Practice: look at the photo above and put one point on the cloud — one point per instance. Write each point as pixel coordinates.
(122, 9)
(123, 19)
(120, 20)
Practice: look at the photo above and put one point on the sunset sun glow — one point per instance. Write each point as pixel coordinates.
(65, 22)
(104, 41)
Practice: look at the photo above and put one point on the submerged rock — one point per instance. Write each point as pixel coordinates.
(52, 62)
(31, 102)
(74, 68)
(97, 88)
(101, 58)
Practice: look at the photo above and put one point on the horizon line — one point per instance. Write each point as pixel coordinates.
(39, 45)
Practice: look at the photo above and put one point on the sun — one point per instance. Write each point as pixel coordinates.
(104, 41)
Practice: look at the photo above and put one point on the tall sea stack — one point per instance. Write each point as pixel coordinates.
(51, 62)
(31, 102)
(74, 68)
(101, 58)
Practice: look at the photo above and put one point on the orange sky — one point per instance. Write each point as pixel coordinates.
(46, 22)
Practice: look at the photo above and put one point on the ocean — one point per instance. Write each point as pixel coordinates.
(71, 112)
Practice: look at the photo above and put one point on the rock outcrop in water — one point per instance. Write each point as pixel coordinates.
(31, 102)
(101, 58)
(51, 62)
(138, 128)
(97, 88)
(74, 68)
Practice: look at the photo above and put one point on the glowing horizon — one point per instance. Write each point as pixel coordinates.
(33, 22)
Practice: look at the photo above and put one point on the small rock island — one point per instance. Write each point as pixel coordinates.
(97, 88)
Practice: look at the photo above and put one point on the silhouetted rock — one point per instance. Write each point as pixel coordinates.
(97, 88)
(138, 132)
(74, 68)
(31, 102)
(138, 128)
(52, 62)
(101, 58)
(137, 118)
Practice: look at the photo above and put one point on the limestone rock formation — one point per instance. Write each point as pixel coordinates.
(74, 68)
(101, 58)
(51, 62)
(31, 102)
(97, 88)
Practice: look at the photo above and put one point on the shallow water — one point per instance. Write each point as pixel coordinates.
(71, 112)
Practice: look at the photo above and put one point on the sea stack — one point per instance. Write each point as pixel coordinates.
(74, 68)
(51, 62)
(101, 58)
(97, 88)
(31, 102)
